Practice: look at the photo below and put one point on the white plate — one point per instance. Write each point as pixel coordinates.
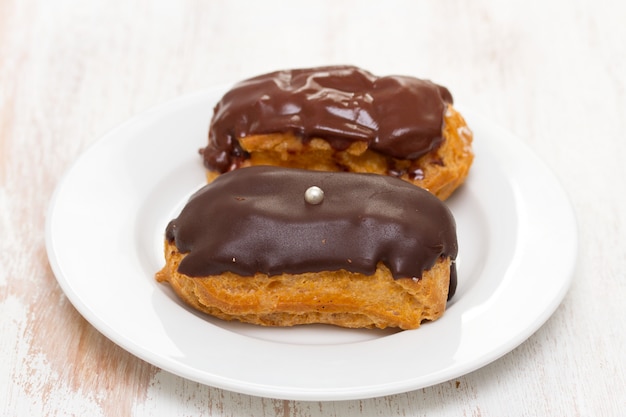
(104, 232)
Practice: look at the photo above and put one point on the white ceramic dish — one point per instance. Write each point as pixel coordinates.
(104, 234)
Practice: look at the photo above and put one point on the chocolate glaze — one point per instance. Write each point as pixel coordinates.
(256, 220)
(398, 116)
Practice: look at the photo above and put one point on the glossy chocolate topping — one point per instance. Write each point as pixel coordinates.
(256, 219)
(398, 116)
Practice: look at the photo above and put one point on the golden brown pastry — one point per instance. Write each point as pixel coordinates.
(279, 247)
(342, 119)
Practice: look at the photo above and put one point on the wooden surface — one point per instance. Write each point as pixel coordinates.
(554, 73)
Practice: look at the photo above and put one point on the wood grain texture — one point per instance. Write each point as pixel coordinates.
(553, 72)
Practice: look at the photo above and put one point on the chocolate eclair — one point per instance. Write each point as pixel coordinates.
(278, 246)
(342, 118)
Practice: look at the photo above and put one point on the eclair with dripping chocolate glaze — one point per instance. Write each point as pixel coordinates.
(342, 118)
(278, 246)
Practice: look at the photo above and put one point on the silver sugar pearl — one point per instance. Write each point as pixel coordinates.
(314, 195)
